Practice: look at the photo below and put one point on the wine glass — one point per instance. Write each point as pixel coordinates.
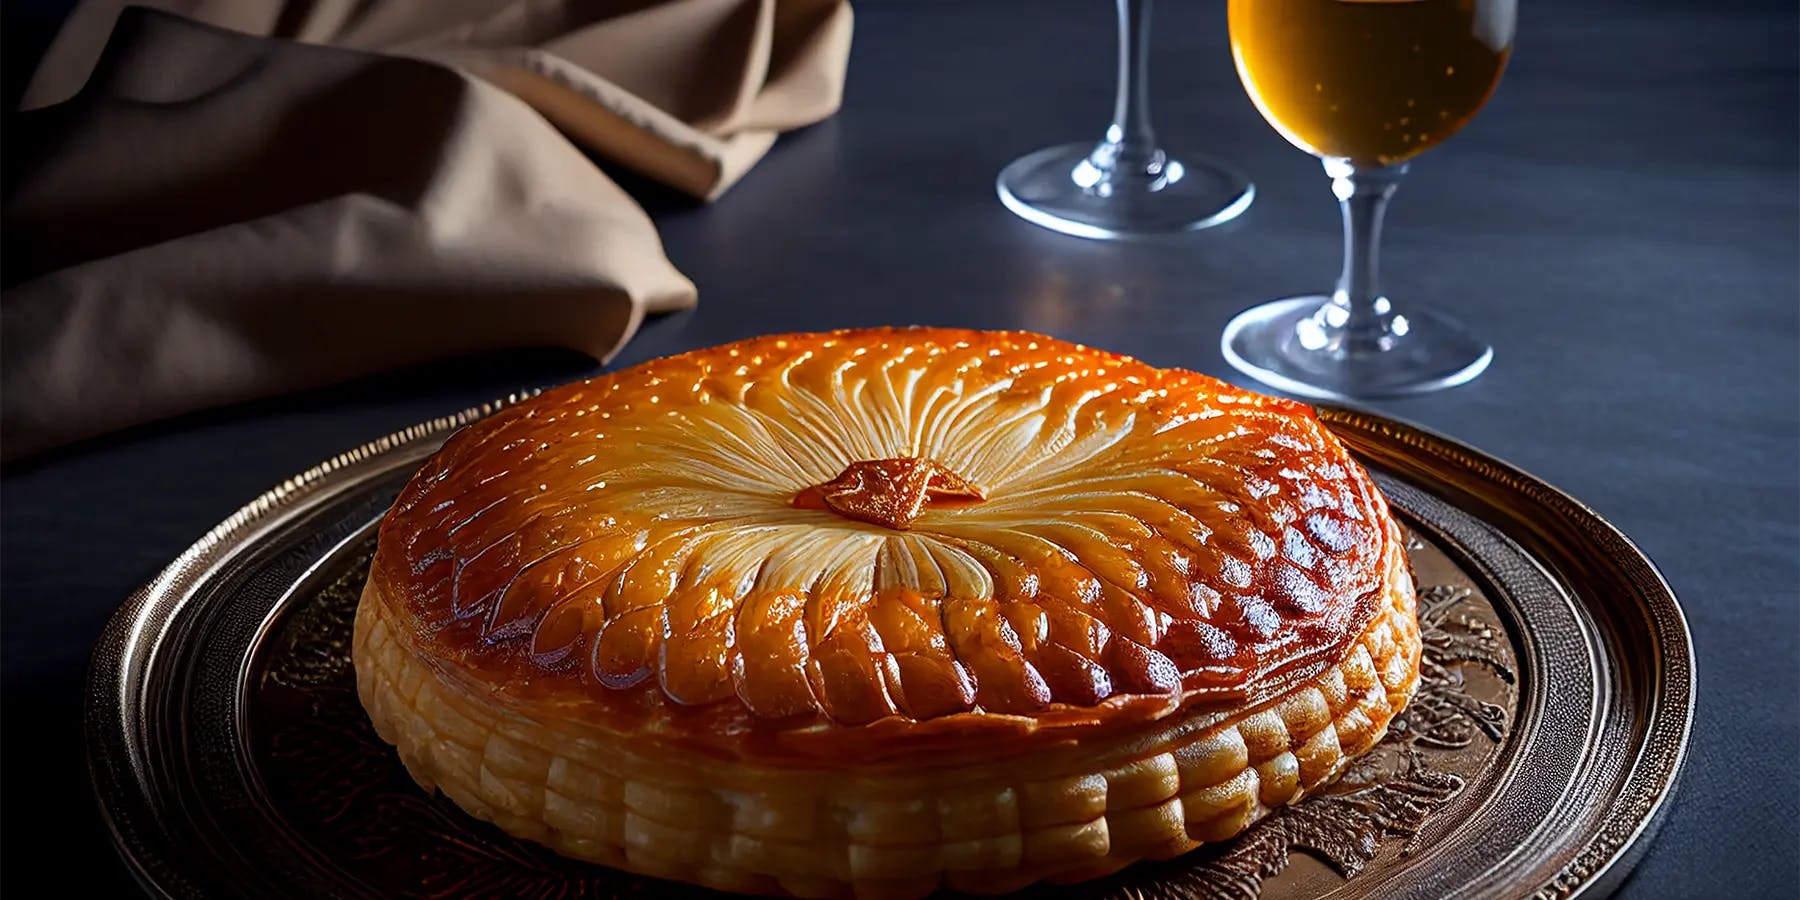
(1365, 85)
(1127, 185)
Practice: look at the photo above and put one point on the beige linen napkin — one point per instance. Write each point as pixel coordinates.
(689, 92)
(211, 217)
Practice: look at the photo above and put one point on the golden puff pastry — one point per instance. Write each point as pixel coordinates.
(871, 613)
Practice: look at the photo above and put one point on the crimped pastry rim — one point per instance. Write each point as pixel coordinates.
(491, 786)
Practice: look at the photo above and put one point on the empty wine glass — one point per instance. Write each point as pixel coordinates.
(1365, 85)
(1127, 185)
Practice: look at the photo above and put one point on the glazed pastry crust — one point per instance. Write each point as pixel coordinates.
(652, 546)
(1060, 813)
(875, 612)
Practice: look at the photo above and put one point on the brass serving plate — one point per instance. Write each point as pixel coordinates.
(231, 758)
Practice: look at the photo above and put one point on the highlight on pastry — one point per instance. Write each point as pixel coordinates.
(872, 613)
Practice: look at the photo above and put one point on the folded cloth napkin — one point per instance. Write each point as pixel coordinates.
(202, 216)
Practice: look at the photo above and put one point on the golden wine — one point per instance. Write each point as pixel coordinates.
(1372, 81)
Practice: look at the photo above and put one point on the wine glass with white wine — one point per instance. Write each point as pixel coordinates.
(1365, 85)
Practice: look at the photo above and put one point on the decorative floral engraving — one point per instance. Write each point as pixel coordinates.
(1442, 714)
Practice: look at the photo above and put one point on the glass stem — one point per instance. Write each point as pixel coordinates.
(1359, 319)
(1129, 150)
(1131, 103)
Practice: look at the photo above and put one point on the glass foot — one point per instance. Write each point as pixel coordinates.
(1091, 192)
(1289, 345)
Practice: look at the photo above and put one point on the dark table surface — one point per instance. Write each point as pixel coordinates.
(1621, 223)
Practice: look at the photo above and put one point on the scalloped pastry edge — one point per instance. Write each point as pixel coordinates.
(1055, 814)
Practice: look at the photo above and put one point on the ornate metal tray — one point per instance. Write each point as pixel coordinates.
(231, 757)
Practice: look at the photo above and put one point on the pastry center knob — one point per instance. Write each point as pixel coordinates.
(889, 492)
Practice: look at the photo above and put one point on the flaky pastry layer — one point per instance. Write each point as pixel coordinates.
(899, 829)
